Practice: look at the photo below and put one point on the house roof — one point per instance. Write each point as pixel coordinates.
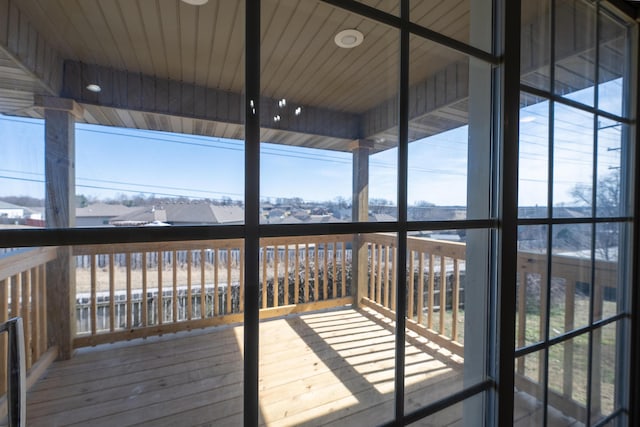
(6, 205)
(140, 216)
(182, 213)
(229, 214)
(103, 210)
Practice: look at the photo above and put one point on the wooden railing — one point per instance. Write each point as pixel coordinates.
(570, 283)
(434, 289)
(139, 290)
(23, 294)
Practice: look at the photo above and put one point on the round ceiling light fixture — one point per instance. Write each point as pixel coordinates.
(195, 2)
(94, 88)
(348, 39)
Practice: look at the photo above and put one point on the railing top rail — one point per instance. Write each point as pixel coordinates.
(203, 244)
(157, 247)
(446, 248)
(21, 260)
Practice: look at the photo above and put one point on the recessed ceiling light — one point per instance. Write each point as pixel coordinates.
(527, 119)
(349, 38)
(94, 88)
(195, 2)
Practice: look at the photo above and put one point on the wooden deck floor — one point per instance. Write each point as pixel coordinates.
(330, 368)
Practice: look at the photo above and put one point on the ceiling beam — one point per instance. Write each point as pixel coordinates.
(136, 91)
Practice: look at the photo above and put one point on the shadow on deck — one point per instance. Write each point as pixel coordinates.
(326, 368)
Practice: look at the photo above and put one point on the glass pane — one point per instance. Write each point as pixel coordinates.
(608, 190)
(606, 367)
(529, 393)
(575, 45)
(438, 132)
(535, 52)
(609, 293)
(21, 173)
(449, 134)
(445, 337)
(193, 180)
(572, 163)
(570, 278)
(533, 167)
(456, 19)
(613, 67)
(532, 285)
(329, 108)
(568, 376)
(468, 412)
(336, 364)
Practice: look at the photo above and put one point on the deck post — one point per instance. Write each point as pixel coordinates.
(360, 213)
(60, 116)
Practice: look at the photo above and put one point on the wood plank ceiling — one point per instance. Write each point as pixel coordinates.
(203, 48)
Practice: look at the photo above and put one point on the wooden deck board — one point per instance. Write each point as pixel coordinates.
(331, 368)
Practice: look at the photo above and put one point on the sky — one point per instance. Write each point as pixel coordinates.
(113, 161)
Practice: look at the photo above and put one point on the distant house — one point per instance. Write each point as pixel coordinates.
(195, 213)
(99, 214)
(11, 211)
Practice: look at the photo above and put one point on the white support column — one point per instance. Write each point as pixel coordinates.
(360, 213)
(60, 119)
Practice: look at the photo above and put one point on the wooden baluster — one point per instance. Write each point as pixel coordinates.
(334, 271)
(343, 264)
(216, 262)
(372, 272)
(145, 320)
(306, 273)
(276, 282)
(229, 282)
(455, 299)
(596, 355)
(189, 283)
(569, 323)
(543, 319)
(174, 290)
(15, 296)
(129, 299)
(325, 273)
(160, 304)
(410, 286)
(264, 276)
(316, 269)
(522, 316)
(387, 280)
(296, 279)
(36, 310)
(43, 305)
(393, 282)
(379, 276)
(4, 316)
(241, 297)
(94, 296)
(25, 310)
(420, 286)
(286, 275)
(430, 296)
(443, 292)
(203, 285)
(112, 294)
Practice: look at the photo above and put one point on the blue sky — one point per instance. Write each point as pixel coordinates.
(113, 161)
